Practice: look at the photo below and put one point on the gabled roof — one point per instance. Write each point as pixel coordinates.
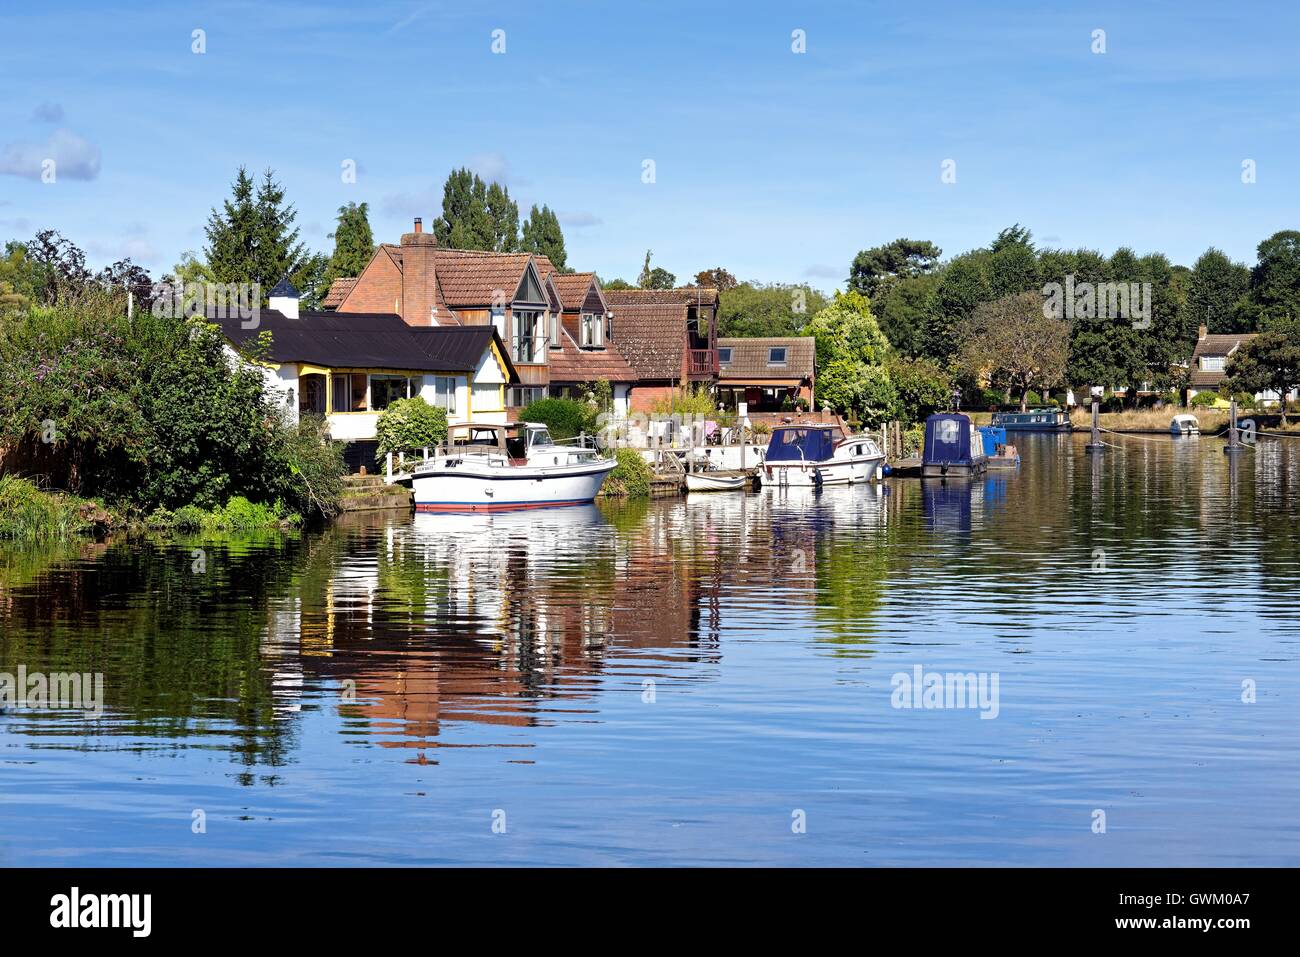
(339, 290)
(749, 358)
(366, 341)
(682, 295)
(1221, 345)
(573, 288)
(572, 363)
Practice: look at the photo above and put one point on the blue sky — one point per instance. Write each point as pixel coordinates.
(776, 165)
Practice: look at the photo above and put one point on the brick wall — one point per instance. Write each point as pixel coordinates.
(378, 288)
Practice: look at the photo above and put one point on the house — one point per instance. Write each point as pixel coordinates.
(1210, 359)
(350, 366)
(668, 336)
(769, 375)
(428, 285)
(1210, 362)
(582, 349)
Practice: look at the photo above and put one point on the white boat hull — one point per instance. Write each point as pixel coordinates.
(469, 486)
(709, 482)
(847, 471)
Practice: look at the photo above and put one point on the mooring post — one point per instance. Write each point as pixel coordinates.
(1095, 446)
(1234, 440)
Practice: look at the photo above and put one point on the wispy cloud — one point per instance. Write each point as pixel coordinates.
(48, 113)
(578, 219)
(822, 271)
(495, 167)
(74, 157)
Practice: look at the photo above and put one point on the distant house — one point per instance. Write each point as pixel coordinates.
(350, 366)
(668, 336)
(582, 349)
(768, 375)
(1210, 363)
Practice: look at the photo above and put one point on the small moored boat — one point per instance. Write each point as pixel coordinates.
(1000, 455)
(1035, 420)
(819, 455)
(1185, 424)
(721, 480)
(953, 449)
(489, 467)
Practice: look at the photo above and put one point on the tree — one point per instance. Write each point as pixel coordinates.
(963, 286)
(55, 266)
(1217, 285)
(475, 215)
(717, 277)
(754, 309)
(614, 283)
(542, 234)
(354, 243)
(1268, 363)
(252, 239)
(1014, 341)
(851, 356)
(922, 387)
(1275, 281)
(656, 278)
(906, 307)
(877, 267)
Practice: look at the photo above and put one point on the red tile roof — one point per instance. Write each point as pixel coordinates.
(339, 290)
(573, 287)
(650, 326)
(571, 363)
(749, 358)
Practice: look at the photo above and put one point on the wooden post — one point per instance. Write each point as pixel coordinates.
(1234, 446)
(388, 466)
(1095, 446)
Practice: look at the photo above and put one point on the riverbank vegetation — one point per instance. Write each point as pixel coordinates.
(150, 414)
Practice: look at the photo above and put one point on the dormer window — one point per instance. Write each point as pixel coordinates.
(1213, 363)
(724, 355)
(592, 328)
(776, 356)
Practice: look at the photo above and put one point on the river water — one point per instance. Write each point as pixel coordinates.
(713, 680)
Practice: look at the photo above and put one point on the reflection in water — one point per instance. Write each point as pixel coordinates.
(690, 669)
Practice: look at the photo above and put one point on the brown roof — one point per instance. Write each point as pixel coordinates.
(1215, 346)
(682, 295)
(749, 358)
(573, 287)
(571, 363)
(651, 337)
(471, 278)
(339, 290)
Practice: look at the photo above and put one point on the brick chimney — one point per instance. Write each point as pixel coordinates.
(1202, 331)
(418, 276)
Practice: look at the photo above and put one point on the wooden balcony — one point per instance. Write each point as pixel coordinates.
(702, 363)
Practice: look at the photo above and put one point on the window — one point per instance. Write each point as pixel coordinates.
(519, 396)
(593, 329)
(387, 389)
(311, 394)
(724, 355)
(444, 393)
(487, 397)
(526, 344)
(499, 322)
(1212, 363)
(776, 356)
(349, 390)
(553, 329)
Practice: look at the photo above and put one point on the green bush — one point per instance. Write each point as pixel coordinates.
(409, 425)
(565, 418)
(1112, 403)
(30, 514)
(631, 477)
(1204, 399)
(1244, 400)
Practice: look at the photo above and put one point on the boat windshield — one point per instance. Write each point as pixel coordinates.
(538, 437)
(795, 445)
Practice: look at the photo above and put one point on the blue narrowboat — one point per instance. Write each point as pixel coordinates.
(952, 447)
(1035, 420)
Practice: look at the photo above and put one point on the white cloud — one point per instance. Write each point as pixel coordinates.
(821, 271)
(578, 219)
(494, 167)
(74, 157)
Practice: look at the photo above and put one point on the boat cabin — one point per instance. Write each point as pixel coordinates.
(953, 447)
(803, 443)
(1035, 420)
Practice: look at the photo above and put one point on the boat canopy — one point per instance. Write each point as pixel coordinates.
(948, 440)
(800, 444)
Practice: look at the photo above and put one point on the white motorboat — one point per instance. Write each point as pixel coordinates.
(819, 455)
(1185, 424)
(490, 467)
(715, 481)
